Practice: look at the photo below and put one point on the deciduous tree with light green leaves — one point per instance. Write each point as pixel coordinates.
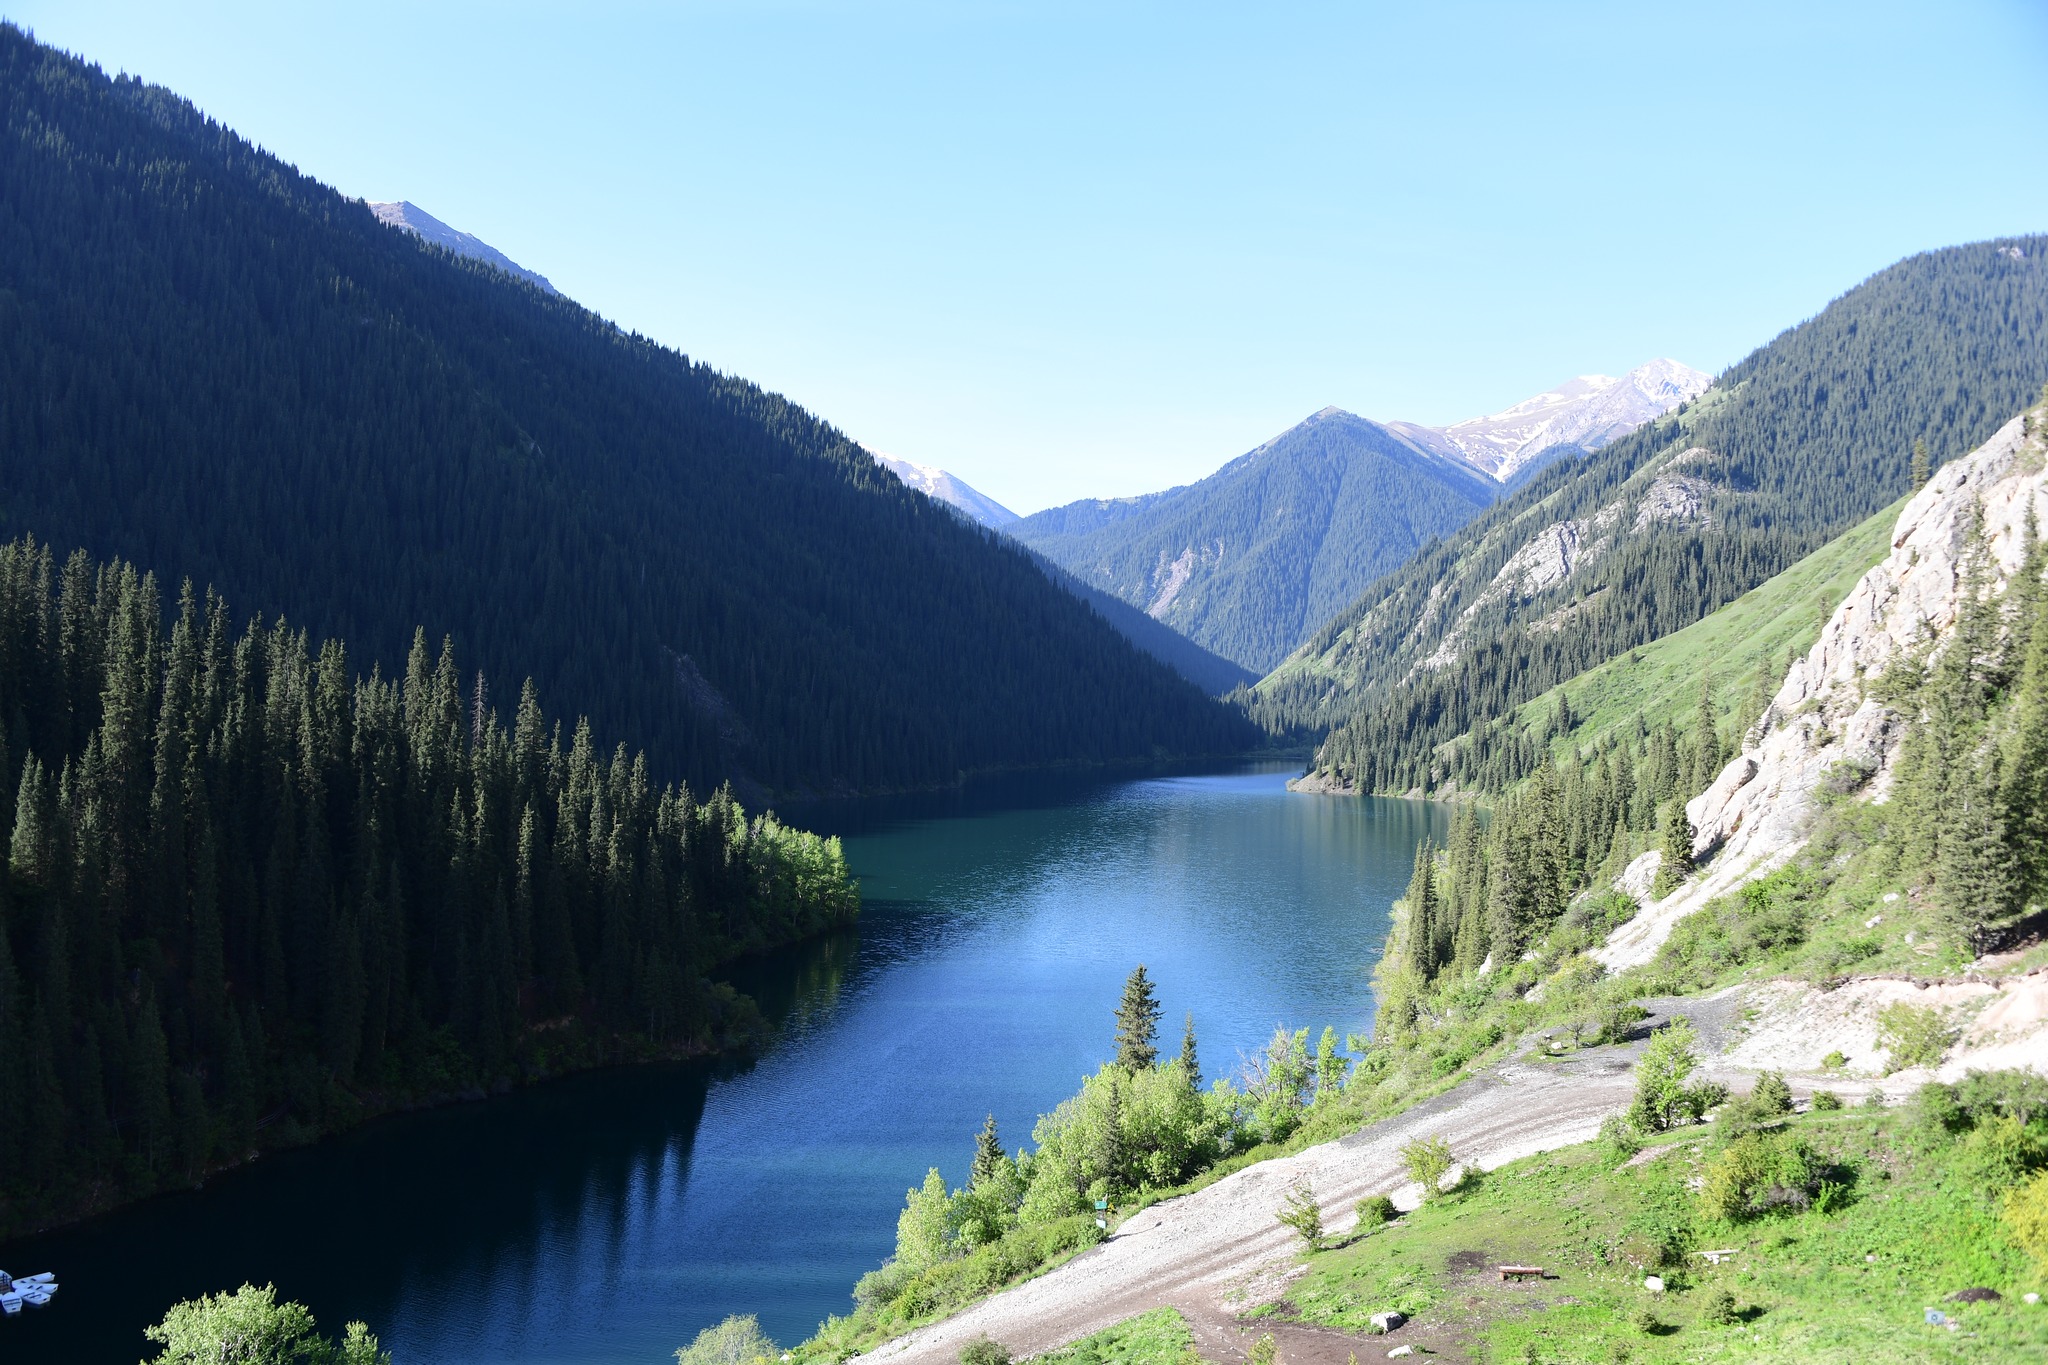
(738, 1340)
(250, 1327)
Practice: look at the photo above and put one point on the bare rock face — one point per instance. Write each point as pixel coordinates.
(1821, 730)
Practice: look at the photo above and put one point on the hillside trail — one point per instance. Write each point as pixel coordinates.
(1218, 1252)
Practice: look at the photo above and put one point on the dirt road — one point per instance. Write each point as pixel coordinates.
(1212, 1253)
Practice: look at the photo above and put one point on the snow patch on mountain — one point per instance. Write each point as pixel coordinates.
(937, 483)
(1583, 413)
(416, 220)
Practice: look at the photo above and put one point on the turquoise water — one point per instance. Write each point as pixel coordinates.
(609, 1217)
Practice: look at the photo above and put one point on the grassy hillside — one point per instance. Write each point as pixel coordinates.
(1911, 1218)
(1750, 636)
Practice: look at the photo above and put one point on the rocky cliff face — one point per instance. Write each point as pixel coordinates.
(1821, 727)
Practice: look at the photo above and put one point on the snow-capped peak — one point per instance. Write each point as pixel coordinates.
(937, 483)
(1583, 413)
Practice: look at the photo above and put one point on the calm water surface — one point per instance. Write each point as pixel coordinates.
(607, 1218)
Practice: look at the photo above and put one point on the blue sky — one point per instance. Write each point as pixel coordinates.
(1091, 250)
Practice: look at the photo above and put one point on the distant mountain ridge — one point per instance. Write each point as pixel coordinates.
(1251, 559)
(410, 216)
(1807, 436)
(1578, 416)
(954, 492)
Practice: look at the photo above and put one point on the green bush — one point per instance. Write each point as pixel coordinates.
(1720, 1309)
(1834, 1061)
(1428, 1161)
(983, 1350)
(2026, 1218)
(1301, 1212)
(1376, 1210)
(1825, 1101)
(1761, 1173)
(736, 1341)
(1663, 1099)
(1620, 1137)
(1912, 1035)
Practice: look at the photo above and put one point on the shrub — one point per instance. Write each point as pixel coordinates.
(1618, 1021)
(1834, 1061)
(1771, 1095)
(1428, 1161)
(1301, 1212)
(1645, 1321)
(1761, 1173)
(2026, 1218)
(1825, 1101)
(1998, 1153)
(1376, 1210)
(1264, 1351)
(984, 1350)
(1912, 1035)
(1720, 1309)
(1663, 1099)
(1620, 1137)
(736, 1341)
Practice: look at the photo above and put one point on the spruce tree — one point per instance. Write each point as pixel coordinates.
(1977, 880)
(1922, 466)
(1137, 1023)
(1677, 864)
(1421, 935)
(1190, 1063)
(2024, 798)
(988, 1155)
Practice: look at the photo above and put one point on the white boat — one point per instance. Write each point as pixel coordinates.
(10, 1302)
(45, 1278)
(38, 1295)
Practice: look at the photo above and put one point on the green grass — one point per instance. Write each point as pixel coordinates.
(1160, 1337)
(1803, 1283)
(1661, 680)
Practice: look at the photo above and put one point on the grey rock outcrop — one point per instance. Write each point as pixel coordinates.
(1823, 729)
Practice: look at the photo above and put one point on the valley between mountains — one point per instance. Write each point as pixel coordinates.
(526, 845)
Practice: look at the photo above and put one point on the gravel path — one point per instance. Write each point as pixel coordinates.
(1216, 1252)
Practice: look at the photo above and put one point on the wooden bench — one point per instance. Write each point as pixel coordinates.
(1520, 1272)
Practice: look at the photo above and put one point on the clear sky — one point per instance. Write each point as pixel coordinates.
(1098, 249)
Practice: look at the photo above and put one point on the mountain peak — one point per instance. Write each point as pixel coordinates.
(937, 483)
(1583, 413)
(403, 213)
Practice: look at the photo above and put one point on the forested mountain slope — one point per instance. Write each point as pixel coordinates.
(1248, 560)
(1809, 435)
(219, 368)
(251, 885)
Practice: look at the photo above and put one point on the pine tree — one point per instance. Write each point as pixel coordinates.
(1922, 466)
(1190, 1063)
(1137, 1023)
(1677, 863)
(988, 1155)
(1977, 880)
(2024, 798)
(1420, 935)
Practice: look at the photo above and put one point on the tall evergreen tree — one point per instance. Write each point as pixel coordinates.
(1190, 1062)
(988, 1155)
(1677, 863)
(1137, 1023)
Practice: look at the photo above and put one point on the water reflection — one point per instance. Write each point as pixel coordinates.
(607, 1217)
